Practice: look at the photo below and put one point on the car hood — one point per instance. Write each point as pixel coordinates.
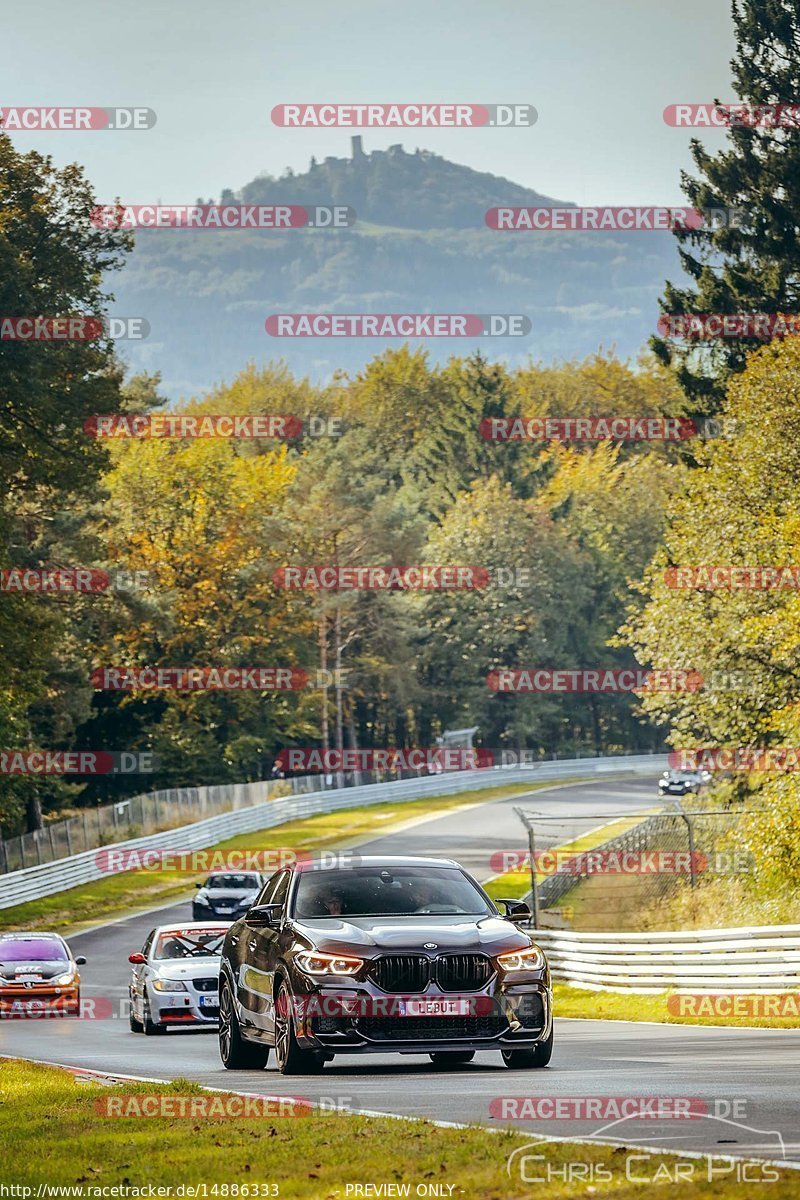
(198, 968)
(397, 935)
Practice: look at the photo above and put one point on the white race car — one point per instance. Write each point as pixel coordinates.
(175, 978)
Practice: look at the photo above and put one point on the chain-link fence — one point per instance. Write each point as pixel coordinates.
(138, 816)
(168, 809)
(597, 876)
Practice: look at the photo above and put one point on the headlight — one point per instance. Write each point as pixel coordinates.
(200, 898)
(314, 963)
(67, 977)
(531, 959)
(169, 985)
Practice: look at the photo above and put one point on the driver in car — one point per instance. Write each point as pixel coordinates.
(424, 895)
(174, 948)
(329, 901)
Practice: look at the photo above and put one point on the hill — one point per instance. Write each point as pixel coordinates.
(419, 244)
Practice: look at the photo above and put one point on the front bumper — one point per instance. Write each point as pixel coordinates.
(184, 1008)
(39, 1000)
(518, 1016)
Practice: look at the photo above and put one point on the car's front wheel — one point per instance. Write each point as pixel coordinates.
(151, 1027)
(451, 1058)
(235, 1052)
(539, 1056)
(136, 1025)
(292, 1060)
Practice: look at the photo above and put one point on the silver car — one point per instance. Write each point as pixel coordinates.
(175, 978)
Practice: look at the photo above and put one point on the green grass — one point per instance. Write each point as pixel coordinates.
(52, 1133)
(617, 1006)
(124, 892)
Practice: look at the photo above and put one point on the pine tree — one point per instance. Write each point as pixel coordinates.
(752, 266)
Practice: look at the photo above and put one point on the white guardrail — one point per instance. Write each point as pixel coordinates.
(762, 958)
(31, 883)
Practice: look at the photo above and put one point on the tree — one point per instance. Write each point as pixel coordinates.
(52, 264)
(738, 509)
(753, 266)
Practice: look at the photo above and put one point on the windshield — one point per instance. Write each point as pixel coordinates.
(383, 892)
(186, 943)
(32, 950)
(233, 881)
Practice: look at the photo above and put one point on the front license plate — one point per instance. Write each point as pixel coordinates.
(436, 1008)
(209, 1001)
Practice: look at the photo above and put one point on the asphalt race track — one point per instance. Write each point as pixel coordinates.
(757, 1068)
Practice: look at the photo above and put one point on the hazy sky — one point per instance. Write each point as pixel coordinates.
(600, 72)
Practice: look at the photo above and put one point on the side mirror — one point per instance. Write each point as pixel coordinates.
(137, 958)
(262, 916)
(516, 911)
(80, 961)
(198, 885)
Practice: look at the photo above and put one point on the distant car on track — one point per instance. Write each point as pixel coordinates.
(226, 894)
(38, 973)
(175, 978)
(682, 783)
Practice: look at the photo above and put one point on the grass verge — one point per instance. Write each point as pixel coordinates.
(52, 1134)
(120, 894)
(617, 1006)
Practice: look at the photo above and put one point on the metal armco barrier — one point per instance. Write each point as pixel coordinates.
(763, 958)
(32, 883)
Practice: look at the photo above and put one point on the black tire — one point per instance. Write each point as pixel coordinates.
(136, 1026)
(539, 1056)
(151, 1027)
(451, 1058)
(290, 1058)
(236, 1053)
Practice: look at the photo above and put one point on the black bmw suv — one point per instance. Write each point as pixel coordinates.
(381, 954)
